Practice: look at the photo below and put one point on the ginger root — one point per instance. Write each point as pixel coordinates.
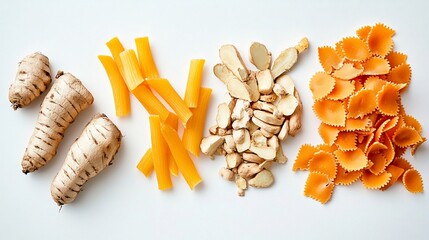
(92, 152)
(59, 109)
(32, 79)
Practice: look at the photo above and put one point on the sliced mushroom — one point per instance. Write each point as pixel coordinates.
(229, 144)
(267, 127)
(239, 109)
(251, 157)
(267, 153)
(248, 170)
(226, 174)
(253, 86)
(241, 183)
(238, 135)
(260, 56)
(280, 157)
(258, 139)
(286, 82)
(269, 98)
(233, 160)
(266, 164)
(223, 73)
(262, 180)
(287, 105)
(284, 131)
(233, 61)
(266, 134)
(223, 117)
(295, 118)
(284, 62)
(268, 118)
(302, 45)
(265, 81)
(241, 147)
(238, 89)
(274, 143)
(210, 144)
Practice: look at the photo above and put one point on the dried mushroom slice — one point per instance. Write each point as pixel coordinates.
(284, 62)
(232, 60)
(260, 56)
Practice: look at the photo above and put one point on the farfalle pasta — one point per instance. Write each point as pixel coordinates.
(364, 126)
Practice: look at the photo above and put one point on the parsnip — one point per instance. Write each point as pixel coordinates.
(59, 109)
(32, 79)
(89, 155)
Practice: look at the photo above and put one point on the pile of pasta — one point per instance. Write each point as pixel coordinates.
(365, 128)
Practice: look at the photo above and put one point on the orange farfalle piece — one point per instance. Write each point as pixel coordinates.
(329, 59)
(400, 74)
(362, 103)
(339, 49)
(406, 136)
(372, 181)
(380, 40)
(390, 152)
(396, 172)
(374, 83)
(356, 124)
(330, 112)
(328, 133)
(396, 58)
(363, 32)
(321, 84)
(326, 147)
(345, 177)
(323, 162)
(346, 141)
(376, 66)
(379, 163)
(416, 146)
(351, 160)
(342, 89)
(402, 163)
(347, 71)
(412, 122)
(305, 153)
(355, 49)
(376, 147)
(319, 187)
(387, 100)
(413, 181)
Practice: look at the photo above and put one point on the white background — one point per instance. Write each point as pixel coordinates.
(121, 203)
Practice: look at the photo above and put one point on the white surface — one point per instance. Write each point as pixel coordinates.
(121, 203)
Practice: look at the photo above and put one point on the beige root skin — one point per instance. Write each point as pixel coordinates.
(59, 109)
(92, 152)
(32, 79)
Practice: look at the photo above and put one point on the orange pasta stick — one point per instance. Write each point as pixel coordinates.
(150, 102)
(184, 162)
(146, 163)
(147, 64)
(133, 75)
(115, 47)
(194, 82)
(172, 121)
(194, 132)
(121, 95)
(159, 154)
(167, 92)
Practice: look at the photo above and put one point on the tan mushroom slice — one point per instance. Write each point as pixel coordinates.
(260, 56)
(287, 105)
(238, 89)
(229, 144)
(269, 98)
(232, 60)
(284, 62)
(258, 139)
(286, 82)
(265, 81)
(268, 118)
(284, 131)
(302, 45)
(251, 157)
(233, 160)
(254, 92)
(238, 135)
(262, 180)
(210, 144)
(248, 170)
(226, 174)
(267, 127)
(241, 147)
(267, 153)
(223, 73)
(223, 117)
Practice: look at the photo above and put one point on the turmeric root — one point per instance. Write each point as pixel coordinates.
(59, 109)
(32, 79)
(89, 155)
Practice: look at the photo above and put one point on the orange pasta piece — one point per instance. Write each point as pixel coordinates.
(380, 39)
(346, 141)
(147, 64)
(319, 187)
(355, 49)
(342, 89)
(172, 166)
(194, 132)
(329, 59)
(159, 154)
(379, 163)
(150, 102)
(184, 162)
(323, 162)
(328, 133)
(396, 172)
(339, 49)
(330, 112)
(321, 84)
(146, 163)
(121, 95)
(172, 121)
(374, 83)
(413, 181)
(356, 124)
(396, 58)
(306, 152)
(345, 177)
(389, 153)
(167, 92)
(347, 72)
(376, 66)
(376, 147)
(417, 145)
(115, 47)
(412, 122)
(402, 163)
(132, 75)
(400, 74)
(351, 160)
(372, 181)
(194, 82)
(387, 100)
(363, 32)
(362, 103)
(406, 136)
